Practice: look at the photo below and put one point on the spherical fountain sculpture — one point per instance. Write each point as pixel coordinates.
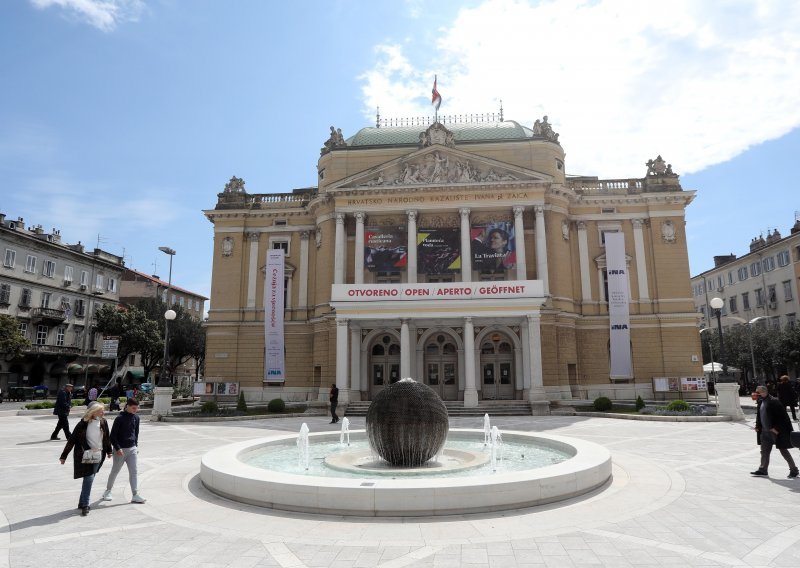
(407, 423)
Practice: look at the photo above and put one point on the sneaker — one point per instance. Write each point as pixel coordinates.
(107, 495)
(759, 473)
(793, 473)
(138, 499)
(84, 511)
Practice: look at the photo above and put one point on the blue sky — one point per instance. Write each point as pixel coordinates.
(125, 118)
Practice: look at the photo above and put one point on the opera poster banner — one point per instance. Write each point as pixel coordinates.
(618, 306)
(274, 363)
(438, 251)
(385, 249)
(493, 247)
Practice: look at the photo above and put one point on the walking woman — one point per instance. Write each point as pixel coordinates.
(92, 443)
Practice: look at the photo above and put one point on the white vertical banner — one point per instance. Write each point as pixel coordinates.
(274, 364)
(618, 306)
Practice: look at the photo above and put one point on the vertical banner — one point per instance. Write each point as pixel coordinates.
(438, 251)
(493, 247)
(274, 364)
(618, 306)
(385, 249)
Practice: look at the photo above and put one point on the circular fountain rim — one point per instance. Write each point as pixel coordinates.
(223, 473)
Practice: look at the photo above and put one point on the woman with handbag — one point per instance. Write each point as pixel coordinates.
(92, 444)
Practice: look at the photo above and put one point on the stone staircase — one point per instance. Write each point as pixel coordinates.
(455, 408)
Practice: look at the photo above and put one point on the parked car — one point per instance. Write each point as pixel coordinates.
(78, 392)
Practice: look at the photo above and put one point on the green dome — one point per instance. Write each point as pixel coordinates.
(463, 132)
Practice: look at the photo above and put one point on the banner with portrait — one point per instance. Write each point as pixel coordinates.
(493, 247)
(385, 249)
(438, 251)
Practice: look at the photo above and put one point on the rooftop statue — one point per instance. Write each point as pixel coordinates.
(335, 140)
(659, 167)
(543, 129)
(235, 185)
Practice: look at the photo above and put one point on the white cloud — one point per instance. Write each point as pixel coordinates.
(102, 14)
(621, 80)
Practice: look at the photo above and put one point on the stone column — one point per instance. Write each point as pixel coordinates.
(341, 360)
(728, 403)
(338, 254)
(583, 254)
(519, 233)
(537, 396)
(524, 338)
(405, 350)
(252, 273)
(470, 391)
(466, 246)
(412, 246)
(541, 250)
(302, 294)
(358, 269)
(355, 362)
(641, 262)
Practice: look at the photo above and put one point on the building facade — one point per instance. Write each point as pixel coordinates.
(460, 255)
(760, 284)
(54, 289)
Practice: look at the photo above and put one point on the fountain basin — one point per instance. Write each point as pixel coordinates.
(223, 472)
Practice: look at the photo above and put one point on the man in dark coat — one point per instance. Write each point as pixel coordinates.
(334, 398)
(773, 427)
(61, 409)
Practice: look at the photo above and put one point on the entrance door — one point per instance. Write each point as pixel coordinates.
(497, 368)
(384, 365)
(441, 366)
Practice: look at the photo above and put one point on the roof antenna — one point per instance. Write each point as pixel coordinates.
(501, 110)
(377, 117)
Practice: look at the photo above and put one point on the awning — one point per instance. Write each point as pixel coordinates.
(92, 368)
(104, 368)
(74, 369)
(135, 373)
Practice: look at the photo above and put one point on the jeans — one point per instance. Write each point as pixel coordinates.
(128, 457)
(86, 488)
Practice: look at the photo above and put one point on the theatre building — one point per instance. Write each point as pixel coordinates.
(459, 254)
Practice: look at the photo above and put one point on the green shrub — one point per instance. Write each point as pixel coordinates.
(678, 406)
(78, 402)
(104, 400)
(276, 405)
(639, 403)
(39, 405)
(209, 407)
(241, 404)
(602, 404)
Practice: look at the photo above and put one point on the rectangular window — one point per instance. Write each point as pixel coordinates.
(41, 334)
(603, 235)
(46, 299)
(280, 245)
(783, 258)
(132, 360)
(112, 284)
(387, 277)
(174, 299)
(746, 301)
(23, 329)
(98, 282)
(730, 277)
(10, 259)
(759, 297)
(711, 285)
(755, 269)
(5, 294)
(49, 268)
(787, 290)
(197, 305)
(775, 322)
(60, 336)
(180, 301)
(791, 320)
(720, 283)
(67, 274)
(25, 298)
(80, 308)
(30, 263)
(92, 339)
(772, 294)
(769, 264)
(84, 278)
(164, 296)
(732, 304)
(742, 274)
(703, 287)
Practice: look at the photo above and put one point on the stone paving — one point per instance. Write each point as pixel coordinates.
(681, 495)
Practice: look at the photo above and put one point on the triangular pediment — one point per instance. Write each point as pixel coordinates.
(439, 165)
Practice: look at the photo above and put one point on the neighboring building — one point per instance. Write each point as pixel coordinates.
(762, 283)
(54, 290)
(383, 280)
(135, 286)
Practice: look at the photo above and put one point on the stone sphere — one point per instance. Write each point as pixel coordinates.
(407, 423)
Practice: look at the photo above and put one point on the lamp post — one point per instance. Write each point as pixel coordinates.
(711, 352)
(749, 325)
(717, 304)
(728, 403)
(169, 315)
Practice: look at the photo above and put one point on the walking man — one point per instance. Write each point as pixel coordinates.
(125, 441)
(61, 409)
(773, 427)
(334, 398)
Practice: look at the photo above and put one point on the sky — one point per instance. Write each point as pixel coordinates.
(121, 120)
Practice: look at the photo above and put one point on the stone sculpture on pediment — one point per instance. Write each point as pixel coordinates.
(543, 129)
(235, 185)
(436, 134)
(335, 140)
(659, 167)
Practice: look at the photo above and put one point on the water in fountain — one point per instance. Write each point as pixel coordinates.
(302, 446)
(487, 430)
(345, 433)
(497, 443)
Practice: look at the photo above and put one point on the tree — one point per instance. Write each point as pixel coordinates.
(187, 339)
(12, 342)
(137, 334)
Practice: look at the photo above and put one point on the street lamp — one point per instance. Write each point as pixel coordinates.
(711, 352)
(749, 324)
(717, 304)
(169, 315)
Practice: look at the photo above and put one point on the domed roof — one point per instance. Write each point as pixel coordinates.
(463, 132)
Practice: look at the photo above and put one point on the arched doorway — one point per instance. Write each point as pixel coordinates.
(384, 362)
(497, 367)
(441, 366)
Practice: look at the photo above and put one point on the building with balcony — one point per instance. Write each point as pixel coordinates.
(460, 254)
(762, 283)
(53, 289)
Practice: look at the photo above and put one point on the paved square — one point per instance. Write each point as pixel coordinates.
(681, 495)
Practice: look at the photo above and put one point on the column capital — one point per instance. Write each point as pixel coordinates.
(305, 235)
(464, 212)
(518, 210)
(539, 209)
(637, 223)
(412, 214)
(533, 318)
(581, 225)
(360, 216)
(340, 218)
(253, 236)
(342, 322)
(404, 321)
(468, 320)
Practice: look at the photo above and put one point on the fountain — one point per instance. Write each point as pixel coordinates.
(385, 472)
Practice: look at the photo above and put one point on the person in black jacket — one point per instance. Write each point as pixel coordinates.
(786, 394)
(125, 441)
(91, 433)
(773, 428)
(334, 398)
(61, 409)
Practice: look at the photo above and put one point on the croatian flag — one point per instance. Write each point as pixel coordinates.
(436, 99)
